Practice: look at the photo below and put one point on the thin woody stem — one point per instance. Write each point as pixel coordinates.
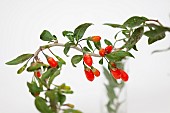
(155, 21)
(61, 45)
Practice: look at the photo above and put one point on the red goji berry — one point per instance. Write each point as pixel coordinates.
(95, 38)
(96, 72)
(87, 59)
(108, 49)
(124, 76)
(52, 62)
(89, 74)
(115, 73)
(37, 74)
(102, 52)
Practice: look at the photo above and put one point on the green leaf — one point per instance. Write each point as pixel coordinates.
(155, 35)
(41, 105)
(62, 98)
(67, 47)
(85, 50)
(34, 67)
(71, 111)
(60, 59)
(107, 42)
(135, 48)
(97, 45)
(115, 25)
(116, 34)
(52, 77)
(33, 87)
(47, 36)
(101, 61)
(118, 55)
(19, 59)
(135, 21)
(69, 35)
(135, 37)
(67, 91)
(22, 69)
(76, 59)
(89, 45)
(47, 74)
(80, 30)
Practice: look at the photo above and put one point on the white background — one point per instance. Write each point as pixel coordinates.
(22, 21)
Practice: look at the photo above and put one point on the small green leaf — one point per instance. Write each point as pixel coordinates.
(135, 48)
(41, 105)
(80, 30)
(155, 35)
(52, 77)
(34, 67)
(67, 91)
(22, 69)
(69, 35)
(71, 111)
(60, 59)
(33, 87)
(135, 37)
(116, 34)
(76, 59)
(118, 55)
(115, 25)
(62, 98)
(66, 33)
(85, 50)
(20, 59)
(67, 47)
(97, 45)
(135, 21)
(51, 94)
(101, 61)
(47, 36)
(89, 45)
(107, 42)
(47, 74)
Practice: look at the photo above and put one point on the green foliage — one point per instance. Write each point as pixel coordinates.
(35, 67)
(107, 42)
(89, 45)
(101, 61)
(80, 30)
(41, 105)
(97, 45)
(72, 111)
(20, 59)
(135, 21)
(135, 37)
(115, 25)
(22, 69)
(33, 87)
(118, 55)
(76, 59)
(156, 33)
(47, 36)
(69, 35)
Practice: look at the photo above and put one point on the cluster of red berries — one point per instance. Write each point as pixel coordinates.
(52, 64)
(90, 72)
(118, 73)
(106, 50)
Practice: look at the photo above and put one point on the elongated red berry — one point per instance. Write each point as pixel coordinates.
(102, 52)
(52, 62)
(95, 38)
(96, 72)
(108, 49)
(115, 73)
(87, 59)
(37, 74)
(124, 75)
(89, 74)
